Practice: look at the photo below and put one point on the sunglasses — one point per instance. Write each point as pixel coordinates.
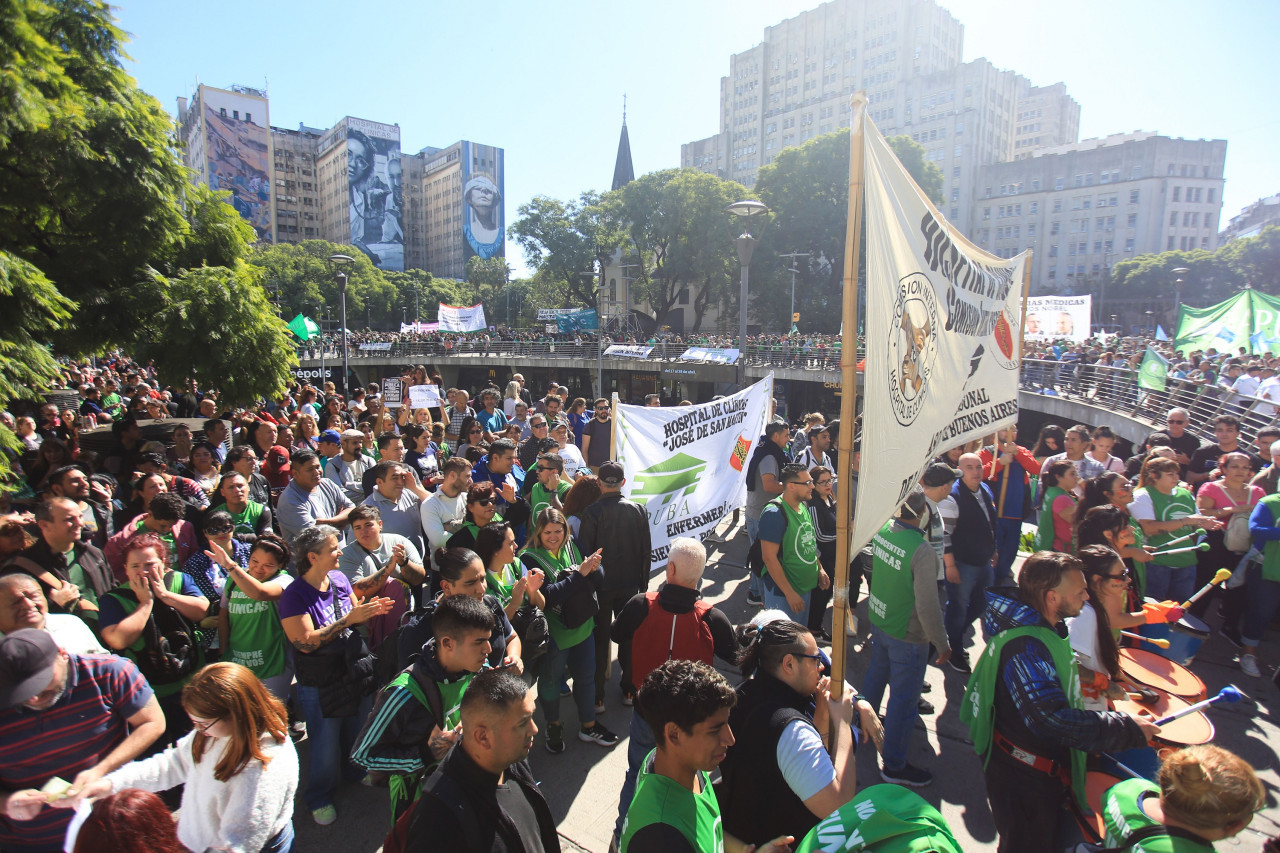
(484, 501)
(537, 426)
(540, 468)
(219, 530)
(808, 482)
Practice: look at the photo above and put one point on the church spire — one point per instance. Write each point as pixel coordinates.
(623, 172)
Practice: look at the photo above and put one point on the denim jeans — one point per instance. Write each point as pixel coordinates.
(775, 600)
(753, 533)
(1008, 534)
(1264, 597)
(331, 740)
(282, 842)
(582, 667)
(966, 600)
(1167, 582)
(900, 666)
(639, 742)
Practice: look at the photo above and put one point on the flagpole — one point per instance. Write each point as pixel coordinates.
(849, 394)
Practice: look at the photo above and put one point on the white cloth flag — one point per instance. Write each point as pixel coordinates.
(458, 319)
(942, 338)
(686, 465)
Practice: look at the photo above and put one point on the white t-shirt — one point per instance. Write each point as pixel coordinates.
(1142, 509)
(805, 764)
(573, 460)
(1082, 630)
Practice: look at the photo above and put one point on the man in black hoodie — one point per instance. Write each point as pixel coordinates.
(764, 483)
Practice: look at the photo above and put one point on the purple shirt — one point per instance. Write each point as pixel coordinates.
(302, 597)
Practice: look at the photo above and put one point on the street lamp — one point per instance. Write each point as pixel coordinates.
(745, 243)
(791, 256)
(340, 261)
(1177, 292)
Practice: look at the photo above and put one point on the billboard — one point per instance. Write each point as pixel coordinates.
(239, 157)
(376, 196)
(483, 224)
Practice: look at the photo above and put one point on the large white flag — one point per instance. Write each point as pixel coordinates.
(462, 319)
(942, 338)
(687, 464)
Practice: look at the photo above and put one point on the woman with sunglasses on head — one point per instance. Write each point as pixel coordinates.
(1231, 500)
(238, 766)
(243, 460)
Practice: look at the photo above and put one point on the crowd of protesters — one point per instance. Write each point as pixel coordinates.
(401, 591)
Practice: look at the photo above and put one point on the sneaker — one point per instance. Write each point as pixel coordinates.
(564, 688)
(924, 706)
(822, 636)
(555, 738)
(850, 623)
(959, 661)
(1231, 635)
(1249, 666)
(324, 815)
(913, 777)
(598, 735)
(628, 698)
(600, 707)
(925, 686)
(754, 600)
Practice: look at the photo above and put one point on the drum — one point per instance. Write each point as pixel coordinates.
(1096, 784)
(1185, 637)
(1190, 730)
(1161, 673)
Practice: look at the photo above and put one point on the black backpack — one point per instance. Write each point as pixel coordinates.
(170, 642)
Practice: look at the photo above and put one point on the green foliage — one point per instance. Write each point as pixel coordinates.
(219, 329)
(924, 172)
(1256, 259)
(1211, 276)
(422, 293)
(562, 241)
(486, 278)
(303, 281)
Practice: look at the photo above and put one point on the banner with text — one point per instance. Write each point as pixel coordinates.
(686, 465)
(628, 351)
(942, 335)
(1055, 318)
(406, 328)
(1249, 319)
(585, 320)
(710, 355)
(552, 313)
(459, 319)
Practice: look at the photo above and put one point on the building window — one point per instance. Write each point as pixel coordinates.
(1212, 191)
(1172, 240)
(1177, 193)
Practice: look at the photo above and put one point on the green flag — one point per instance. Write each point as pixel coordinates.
(1152, 373)
(304, 327)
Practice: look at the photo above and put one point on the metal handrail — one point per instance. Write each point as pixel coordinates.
(1116, 389)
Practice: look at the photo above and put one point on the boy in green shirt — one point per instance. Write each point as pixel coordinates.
(674, 810)
(550, 489)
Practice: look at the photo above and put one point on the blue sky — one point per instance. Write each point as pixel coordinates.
(545, 80)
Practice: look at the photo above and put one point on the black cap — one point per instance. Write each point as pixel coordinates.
(611, 474)
(26, 665)
(939, 474)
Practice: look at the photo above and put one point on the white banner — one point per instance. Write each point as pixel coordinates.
(424, 396)
(628, 351)
(406, 328)
(710, 355)
(942, 336)
(458, 319)
(686, 465)
(552, 313)
(1055, 318)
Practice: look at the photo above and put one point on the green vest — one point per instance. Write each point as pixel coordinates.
(1045, 534)
(500, 585)
(883, 818)
(978, 710)
(173, 582)
(554, 567)
(798, 551)
(405, 788)
(247, 521)
(1271, 550)
(893, 593)
(1167, 508)
(1122, 816)
(256, 639)
(659, 799)
(1139, 567)
(540, 498)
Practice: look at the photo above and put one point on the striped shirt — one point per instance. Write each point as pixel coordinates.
(103, 691)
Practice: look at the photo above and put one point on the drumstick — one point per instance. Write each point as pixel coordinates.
(1222, 576)
(1203, 546)
(1227, 694)
(1163, 644)
(1195, 532)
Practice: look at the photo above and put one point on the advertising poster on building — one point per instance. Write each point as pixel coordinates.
(483, 223)
(376, 195)
(239, 155)
(942, 336)
(1056, 318)
(687, 465)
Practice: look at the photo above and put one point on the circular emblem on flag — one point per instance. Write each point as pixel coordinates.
(913, 345)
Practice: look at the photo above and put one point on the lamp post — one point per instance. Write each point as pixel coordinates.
(1177, 294)
(791, 257)
(745, 243)
(340, 261)
(322, 346)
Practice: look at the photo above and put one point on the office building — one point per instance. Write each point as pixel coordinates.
(462, 207)
(1085, 206)
(1250, 222)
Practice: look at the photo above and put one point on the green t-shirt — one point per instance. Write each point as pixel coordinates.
(1169, 507)
(75, 572)
(1139, 567)
(884, 819)
(893, 595)
(540, 498)
(256, 639)
(500, 584)
(554, 565)
(246, 521)
(169, 541)
(659, 799)
(1122, 816)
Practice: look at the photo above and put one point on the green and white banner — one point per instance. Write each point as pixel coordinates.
(1154, 371)
(1249, 319)
(686, 465)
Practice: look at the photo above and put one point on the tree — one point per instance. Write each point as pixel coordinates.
(421, 292)
(219, 329)
(1256, 259)
(1209, 279)
(302, 279)
(565, 242)
(807, 190)
(487, 277)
